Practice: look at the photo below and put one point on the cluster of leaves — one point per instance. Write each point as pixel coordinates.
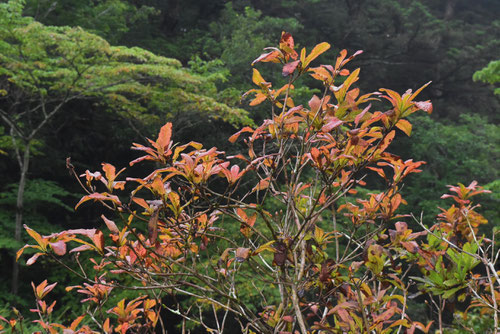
(490, 74)
(337, 261)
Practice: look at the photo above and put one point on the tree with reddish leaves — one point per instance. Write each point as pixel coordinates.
(320, 252)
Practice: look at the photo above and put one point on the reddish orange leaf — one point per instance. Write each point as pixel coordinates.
(153, 227)
(59, 247)
(163, 140)
(242, 254)
(362, 114)
(320, 73)
(315, 103)
(344, 72)
(110, 224)
(33, 259)
(76, 322)
(272, 56)
(387, 141)
(287, 40)
(145, 157)
(332, 124)
(98, 240)
(248, 222)
(385, 316)
(259, 98)
(109, 171)
(158, 186)
(42, 289)
(21, 250)
(289, 68)
(263, 184)
(141, 201)
(287, 45)
(38, 238)
(379, 171)
(99, 197)
(340, 58)
(425, 106)
(234, 137)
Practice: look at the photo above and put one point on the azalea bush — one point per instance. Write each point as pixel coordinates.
(288, 236)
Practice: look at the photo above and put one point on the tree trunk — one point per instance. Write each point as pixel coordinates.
(449, 10)
(23, 165)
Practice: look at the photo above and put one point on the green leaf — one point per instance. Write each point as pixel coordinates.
(449, 293)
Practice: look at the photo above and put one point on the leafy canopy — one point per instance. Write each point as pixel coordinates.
(43, 65)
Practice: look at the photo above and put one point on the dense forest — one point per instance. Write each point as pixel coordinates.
(81, 81)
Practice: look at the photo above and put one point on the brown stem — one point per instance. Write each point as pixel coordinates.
(440, 314)
(298, 313)
(360, 302)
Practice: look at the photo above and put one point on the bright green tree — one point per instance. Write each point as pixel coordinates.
(490, 74)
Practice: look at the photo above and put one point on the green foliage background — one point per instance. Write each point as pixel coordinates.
(187, 61)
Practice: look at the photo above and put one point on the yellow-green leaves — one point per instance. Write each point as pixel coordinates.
(316, 51)
(258, 79)
(340, 92)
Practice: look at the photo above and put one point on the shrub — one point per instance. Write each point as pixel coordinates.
(315, 247)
